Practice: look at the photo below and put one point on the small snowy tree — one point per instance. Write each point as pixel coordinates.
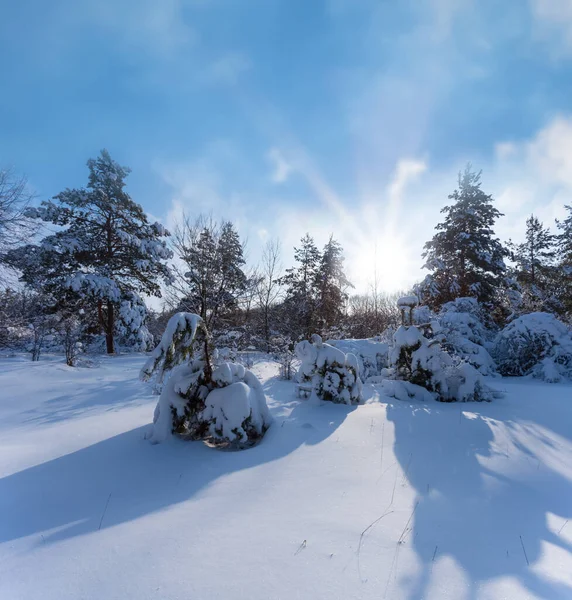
(535, 271)
(222, 403)
(213, 277)
(70, 332)
(333, 374)
(564, 241)
(301, 292)
(131, 325)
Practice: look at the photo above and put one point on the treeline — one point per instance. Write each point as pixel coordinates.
(97, 257)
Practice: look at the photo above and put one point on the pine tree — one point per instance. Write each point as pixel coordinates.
(564, 241)
(215, 279)
(105, 248)
(464, 256)
(535, 271)
(301, 288)
(331, 284)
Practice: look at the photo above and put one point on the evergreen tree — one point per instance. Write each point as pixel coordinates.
(535, 272)
(464, 256)
(215, 279)
(332, 285)
(564, 241)
(301, 288)
(105, 247)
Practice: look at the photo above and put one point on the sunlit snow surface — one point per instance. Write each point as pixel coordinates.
(456, 501)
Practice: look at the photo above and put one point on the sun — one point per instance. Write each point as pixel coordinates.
(386, 261)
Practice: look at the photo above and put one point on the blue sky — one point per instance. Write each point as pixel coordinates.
(349, 117)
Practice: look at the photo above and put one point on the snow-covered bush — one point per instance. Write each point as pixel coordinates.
(371, 353)
(131, 328)
(423, 363)
(536, 344)
(70, 332)
(334, 375)
(220, 404)
(285, 360)
(465, 335)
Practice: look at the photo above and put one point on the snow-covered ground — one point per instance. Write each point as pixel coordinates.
(383, 500)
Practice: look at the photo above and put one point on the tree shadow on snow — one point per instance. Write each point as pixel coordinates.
(67, 496)
(110, 396)
(472, 509)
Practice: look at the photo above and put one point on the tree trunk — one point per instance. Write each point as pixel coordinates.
(100, 316)
(109, 328)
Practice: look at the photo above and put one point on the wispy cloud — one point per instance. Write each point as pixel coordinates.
(281, 167)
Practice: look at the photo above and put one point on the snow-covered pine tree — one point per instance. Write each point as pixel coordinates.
(334, 375)
(565, 260)
(332, 285)
(535, 270)
(233, 281)
(301, 290)
(105, 247)
(214, 278)
(131, 324)
(222, 403)
(465, 257)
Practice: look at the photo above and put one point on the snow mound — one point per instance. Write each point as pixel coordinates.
(238, 411)
(404, 391)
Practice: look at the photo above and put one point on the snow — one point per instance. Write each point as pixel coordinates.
(228, 408)
(453, 501)
(334, 374)
(535, 344)
(407, 302)
(371, 354)
(180, 333)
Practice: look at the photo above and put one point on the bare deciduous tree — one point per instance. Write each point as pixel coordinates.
(269, 287)
(15, 197)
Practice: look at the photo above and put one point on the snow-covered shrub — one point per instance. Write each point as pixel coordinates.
(371, 353)
(422, 362)
(334, 375)
(70, 332)
(236, 407)
(131, 328)
(464, 333)
(535, 344)
(220, 404)
(285, 360)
